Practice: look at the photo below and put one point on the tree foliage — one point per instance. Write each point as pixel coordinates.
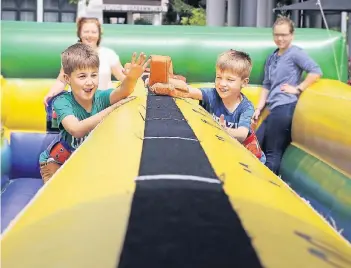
(197, 17)
(181, 13)
(181, 7)
(142, 21)
(76, 2)
(281, 3)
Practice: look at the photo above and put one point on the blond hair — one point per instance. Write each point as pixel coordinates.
(78, 57)
(285, 20)
(235, 61)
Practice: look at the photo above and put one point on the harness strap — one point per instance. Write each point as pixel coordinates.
(251, 143)
(60, 153)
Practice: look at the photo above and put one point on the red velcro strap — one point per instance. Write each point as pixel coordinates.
(59, 153)
(251, 143)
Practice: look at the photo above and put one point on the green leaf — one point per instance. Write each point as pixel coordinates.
(197, 17)
(77, 1)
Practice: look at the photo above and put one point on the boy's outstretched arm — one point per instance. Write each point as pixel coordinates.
(194, 93)
(180, 89)
(239, 133)
(137, 68)
(79, 129)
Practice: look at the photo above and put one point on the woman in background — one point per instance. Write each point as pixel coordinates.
(282, 87)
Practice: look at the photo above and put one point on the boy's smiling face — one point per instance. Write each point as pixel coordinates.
(83, 83)
(228, 84)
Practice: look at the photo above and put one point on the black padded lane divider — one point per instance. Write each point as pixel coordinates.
(184, 221)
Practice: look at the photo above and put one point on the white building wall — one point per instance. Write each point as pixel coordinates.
(93, 9)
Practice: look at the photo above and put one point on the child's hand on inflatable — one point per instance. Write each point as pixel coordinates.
(222, 122)
(137, 66)
(175, 88)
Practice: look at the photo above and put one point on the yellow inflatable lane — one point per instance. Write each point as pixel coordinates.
(69, 222)
(284, 230)
(159, 184)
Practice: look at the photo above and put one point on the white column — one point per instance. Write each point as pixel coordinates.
(295, 14)
(306, 19)
(161, 18)
(270, 14)
(344, 22)
(156, 19)
(233, 12)
(315, 20)
(130, 19)
(262, 13)
(40, 10)
(215, 12)
(349, 35)
(248, 13)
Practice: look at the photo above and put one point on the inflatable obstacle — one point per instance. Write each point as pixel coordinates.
(194, 50)
(171, 188)
(114, 199)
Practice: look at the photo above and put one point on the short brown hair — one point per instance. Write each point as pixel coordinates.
(81, 21)
(235, 61)
(285, 20)
(79, 56)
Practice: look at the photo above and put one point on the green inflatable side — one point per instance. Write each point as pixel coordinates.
(311, 177)
(32, 50)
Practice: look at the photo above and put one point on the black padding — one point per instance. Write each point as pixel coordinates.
(180, 222)
(185, 224)
(174, 156)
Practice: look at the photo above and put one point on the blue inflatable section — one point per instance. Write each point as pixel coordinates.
(20, 175)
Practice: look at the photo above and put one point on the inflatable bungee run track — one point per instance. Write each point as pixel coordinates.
(158, 183)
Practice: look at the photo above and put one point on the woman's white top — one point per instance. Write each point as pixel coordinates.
(108, 60)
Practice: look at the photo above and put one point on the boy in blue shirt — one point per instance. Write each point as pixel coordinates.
(228, 106)
(82, 109)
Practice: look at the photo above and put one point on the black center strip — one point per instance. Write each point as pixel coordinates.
(184, 221)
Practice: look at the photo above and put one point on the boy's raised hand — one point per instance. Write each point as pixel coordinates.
(137, 65)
